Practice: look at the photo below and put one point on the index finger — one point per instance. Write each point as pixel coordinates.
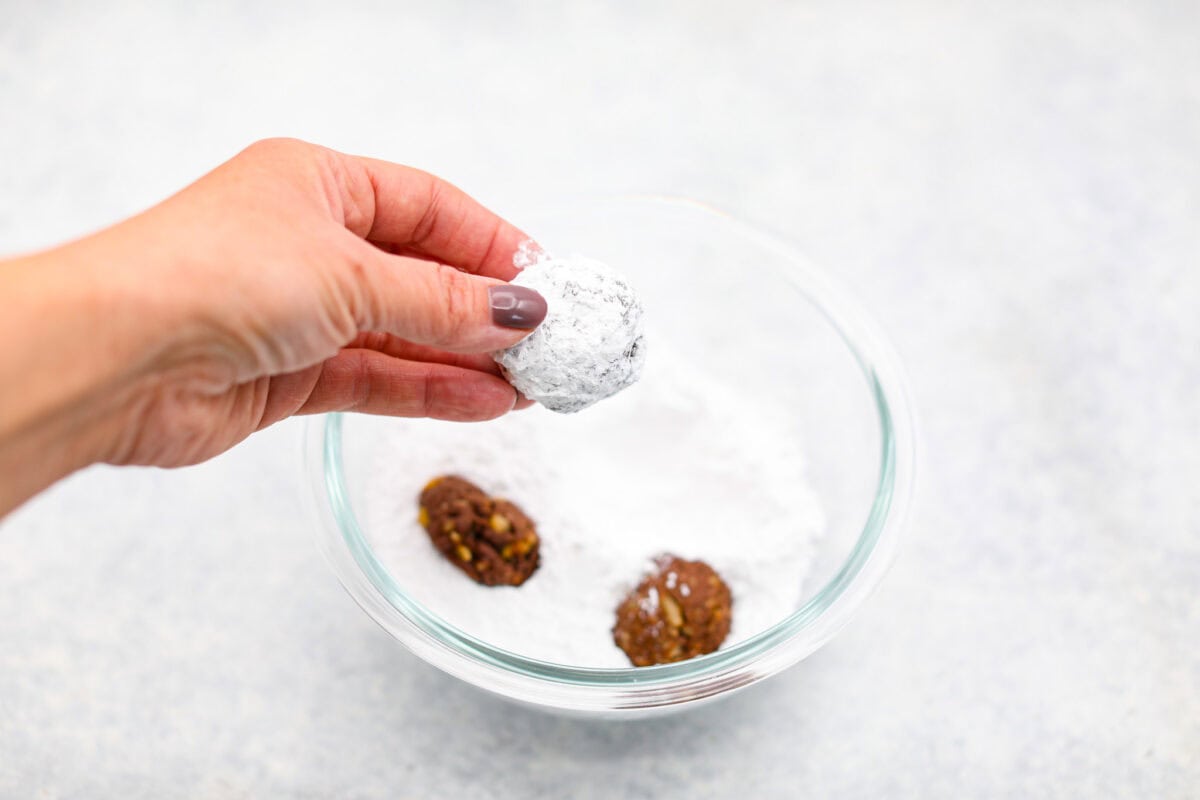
(420, 214)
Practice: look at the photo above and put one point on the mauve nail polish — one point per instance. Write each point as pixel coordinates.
(516, 306)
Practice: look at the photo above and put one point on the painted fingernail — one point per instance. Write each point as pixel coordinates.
(516, 306)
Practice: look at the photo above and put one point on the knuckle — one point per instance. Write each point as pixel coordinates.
(349, 189)
(351, 283)
(427, 402)
(425, 226)
(283, 156)
(360, 382)
(456, 302)
(277, 146)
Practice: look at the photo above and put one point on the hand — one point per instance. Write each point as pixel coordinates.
(292, 279)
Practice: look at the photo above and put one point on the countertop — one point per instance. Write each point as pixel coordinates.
(1014, 191)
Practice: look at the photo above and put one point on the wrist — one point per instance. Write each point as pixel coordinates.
(77, 346)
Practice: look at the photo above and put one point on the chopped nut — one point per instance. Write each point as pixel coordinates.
(464, 552)
(671, 610)
(500, 523)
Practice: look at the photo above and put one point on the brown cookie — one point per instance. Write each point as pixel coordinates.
(491, 540)
(680, 611)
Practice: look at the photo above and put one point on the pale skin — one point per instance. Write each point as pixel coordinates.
(290, 280)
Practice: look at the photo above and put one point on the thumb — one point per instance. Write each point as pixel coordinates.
(440, 306)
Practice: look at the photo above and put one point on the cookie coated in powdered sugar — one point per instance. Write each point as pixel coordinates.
(590, 346)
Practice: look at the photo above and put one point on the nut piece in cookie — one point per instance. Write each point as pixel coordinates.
(491, 540)
(680, 611)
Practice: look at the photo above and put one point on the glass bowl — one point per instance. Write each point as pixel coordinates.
(778, 332)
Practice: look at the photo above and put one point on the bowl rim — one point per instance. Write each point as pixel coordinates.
(620, 691)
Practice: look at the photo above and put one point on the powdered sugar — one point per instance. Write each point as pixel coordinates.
(674, 464)
(528, 253)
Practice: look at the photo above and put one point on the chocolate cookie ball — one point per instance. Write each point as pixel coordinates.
(680, 611)
(489, 539)
(589, 347)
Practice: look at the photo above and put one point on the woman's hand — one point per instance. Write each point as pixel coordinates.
(292, 279)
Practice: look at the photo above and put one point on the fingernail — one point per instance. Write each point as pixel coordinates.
(516, 306)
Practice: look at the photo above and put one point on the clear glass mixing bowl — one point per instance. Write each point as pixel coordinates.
(784, 336)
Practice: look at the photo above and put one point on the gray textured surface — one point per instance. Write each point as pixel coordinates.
(1016, 189)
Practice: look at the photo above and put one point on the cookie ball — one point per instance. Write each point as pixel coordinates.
(680, 611)
(491, 540)
(590, 345)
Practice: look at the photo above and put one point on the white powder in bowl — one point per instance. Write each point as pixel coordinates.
(675, 464)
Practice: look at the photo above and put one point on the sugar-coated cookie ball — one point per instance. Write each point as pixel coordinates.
(590, 345)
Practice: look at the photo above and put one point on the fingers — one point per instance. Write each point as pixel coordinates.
(371, 382)
(401, 209)
(399, 348)
(418, 213)
(439, 306)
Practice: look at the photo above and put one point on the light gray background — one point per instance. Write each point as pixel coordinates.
(1014, 189)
